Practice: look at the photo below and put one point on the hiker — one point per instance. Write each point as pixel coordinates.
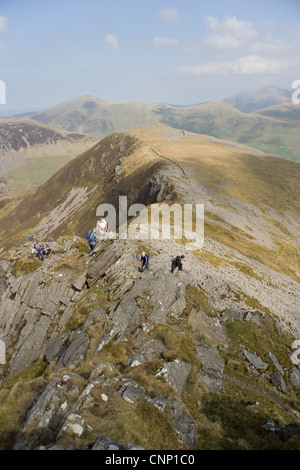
(48, 250)
(32, 252)
(177, 263)
(91, 238)
(101, 227)
(41, 252)
(144, 262)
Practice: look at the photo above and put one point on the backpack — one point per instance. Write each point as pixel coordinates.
(89, 239)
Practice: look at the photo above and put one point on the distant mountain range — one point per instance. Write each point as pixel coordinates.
(265, 119)
(272, 129)
(249, 101)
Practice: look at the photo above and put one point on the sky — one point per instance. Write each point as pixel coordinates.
(177, 52)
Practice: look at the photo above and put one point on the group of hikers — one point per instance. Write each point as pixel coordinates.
(100, 232)
(97, 233)
(176, 262)
(40, 250)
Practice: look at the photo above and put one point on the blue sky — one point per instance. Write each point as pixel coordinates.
(177, 52)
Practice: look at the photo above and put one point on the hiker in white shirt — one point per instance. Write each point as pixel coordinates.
(101, 227)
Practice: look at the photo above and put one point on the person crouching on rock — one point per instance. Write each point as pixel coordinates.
(177, 263)
(144, 262)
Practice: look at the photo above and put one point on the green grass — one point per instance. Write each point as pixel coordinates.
(16, 395)
(33, 173)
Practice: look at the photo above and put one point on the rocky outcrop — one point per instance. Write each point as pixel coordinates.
(149, 350)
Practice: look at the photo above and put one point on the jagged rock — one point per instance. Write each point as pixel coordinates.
(79, 342)
(254, 318)
(295, 377)
(210, 329)
(31, 340)
(278, 381)
(74, 423)
(285, 432)
(149, 351)
(104, 443)
(269, 425)
(274, 362)
(148, 301)
(56, 346)
(107, 259)
(185, 426)
(79, 283)
(288, 431)
(47, 410)
(255, 360)
(212, 366)
(175, 373)
(233, 314)
(132, 391)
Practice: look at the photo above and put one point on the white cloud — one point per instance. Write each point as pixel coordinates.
(112, 42)
(247, 65)
(168, 15)
(161, 41)
(231, 26)
(3, 24)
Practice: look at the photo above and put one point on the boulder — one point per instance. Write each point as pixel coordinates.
(212, 367)
(278, 381)
(274, 362)
(295, 377)
(210, 328)
(175, 373)
(255, 360)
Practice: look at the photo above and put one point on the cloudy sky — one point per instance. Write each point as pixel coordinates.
(177, 52)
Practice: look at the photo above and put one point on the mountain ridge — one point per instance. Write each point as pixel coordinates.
(99, 354)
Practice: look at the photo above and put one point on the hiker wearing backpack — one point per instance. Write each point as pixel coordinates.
(177, 263)
(91, 238)
(144, 262)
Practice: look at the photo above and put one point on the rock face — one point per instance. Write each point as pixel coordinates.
(116, 341)
(212, 368)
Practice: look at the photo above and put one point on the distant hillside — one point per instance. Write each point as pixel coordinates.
(219, 119)
(286, 112)
(31, 152)
(249, 101)
(99, 118)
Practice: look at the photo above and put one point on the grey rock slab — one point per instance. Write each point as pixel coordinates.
(132, 391)
(79, 283)
(210, 328)
(175, 373)
(56, 346)
(295, 377)
(212, 367)
(274, 362)
(278, 381)
(255, 360)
